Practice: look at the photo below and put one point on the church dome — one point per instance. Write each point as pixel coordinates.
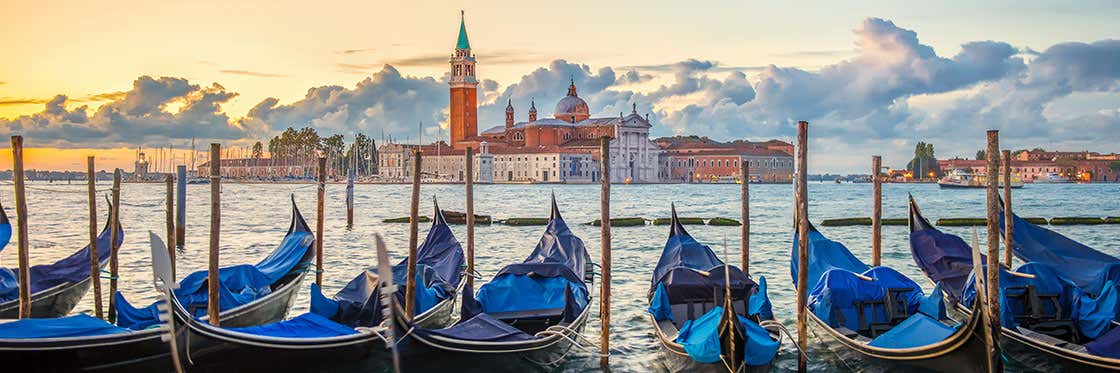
(571, 108)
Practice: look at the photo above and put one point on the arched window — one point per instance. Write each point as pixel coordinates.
(567, 136)
(517, 136)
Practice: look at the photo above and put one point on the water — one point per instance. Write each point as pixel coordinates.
(255, 216)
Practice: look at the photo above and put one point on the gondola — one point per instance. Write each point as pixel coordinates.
(56, 288)
(690, 309)
(81, 342)
(346, 329)
(881, 317)
(531, 311)
(5, 229)
(1044, 337)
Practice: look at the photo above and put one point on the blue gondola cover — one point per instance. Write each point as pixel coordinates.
(240, 284)
(916, 331)
(824, 254)
(5, 229)
(946, 259)
(1088, 268)
(481, 327)
(69, 326)
(73, 268)
(308, 325)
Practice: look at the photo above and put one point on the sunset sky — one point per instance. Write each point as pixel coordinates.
(871, 77)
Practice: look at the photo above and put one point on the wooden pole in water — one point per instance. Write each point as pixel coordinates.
(114, 248)
(1008, 223)
(876, 211)
(212, 308)
(94, 260)
(413, 229)
(169, 200)
(993, 246)
(469, 182)
(350, 193)
(802, 200)
(319, 220)
(605, 249)
(745, 229)
(180, 213)
(21, 229)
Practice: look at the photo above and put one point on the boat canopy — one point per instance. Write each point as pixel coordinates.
(556, 265)
(307, 325)
(239, 285)
(71, 269)
(700, 337)
(1088, 268)
(945, 258)
(824, 254)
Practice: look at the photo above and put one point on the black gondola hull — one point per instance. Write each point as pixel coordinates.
(51, 303)
(962, 352)
(142, 351)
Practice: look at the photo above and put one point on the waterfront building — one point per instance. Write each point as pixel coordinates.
(692, 159)
(1076, 169)
(266, 168)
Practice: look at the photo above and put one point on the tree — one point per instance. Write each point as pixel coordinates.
(258, 150)
(981, 155)
(924, 161)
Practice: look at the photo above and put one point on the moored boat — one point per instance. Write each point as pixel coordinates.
(964, 179)
(687, 314)
(133, 343)
(56, 288)
(531, 311)
(880, 316)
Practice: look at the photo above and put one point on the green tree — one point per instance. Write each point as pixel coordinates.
(258, 150)
(981, 155)
(924, 161)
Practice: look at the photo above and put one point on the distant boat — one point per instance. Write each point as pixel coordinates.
(962, 178)
(1052, 178)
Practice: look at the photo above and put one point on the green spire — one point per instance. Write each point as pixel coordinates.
(463, 42)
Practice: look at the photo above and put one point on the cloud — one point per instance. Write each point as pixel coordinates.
(356, 51)
(133, 117)
(22, 101)
(385, 101)
(814, 53)
(490, 58)
(253, 73)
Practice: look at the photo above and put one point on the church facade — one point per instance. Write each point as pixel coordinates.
(561, 148)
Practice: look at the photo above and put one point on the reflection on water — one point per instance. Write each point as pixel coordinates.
(254, 218)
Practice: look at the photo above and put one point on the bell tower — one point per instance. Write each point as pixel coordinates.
(464, 89)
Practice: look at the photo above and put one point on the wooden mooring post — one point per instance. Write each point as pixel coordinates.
(180, 213)
(321, 196)
(876, 211)
(469, 183)
(605, 249)
(1008, 221)
(21, 228)
(169, 215)
(993, 324)
(413, 236)
(94, 260)
(114, 247)
(802, 203)
(212, 306)
(745, 228)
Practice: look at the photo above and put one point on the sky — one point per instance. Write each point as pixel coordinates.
(101, 78)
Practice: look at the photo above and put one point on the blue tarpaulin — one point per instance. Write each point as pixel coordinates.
(69, 326)
(556, 264)
(438, 272)
(239, 285)
(760, 301)
(5, 229)
(73, 268)
(308, 325)
(690, 270)
(916, 331)
(659, 305)
(481, 327)
(1095, 315)
(824, 254)
(1107, 345)
(946, 259)
(700, 338)
(1083, 265)
(834, 299)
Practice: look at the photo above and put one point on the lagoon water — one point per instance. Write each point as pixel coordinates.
(255, 216)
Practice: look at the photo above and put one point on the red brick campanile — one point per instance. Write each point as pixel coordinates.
(464, 90)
